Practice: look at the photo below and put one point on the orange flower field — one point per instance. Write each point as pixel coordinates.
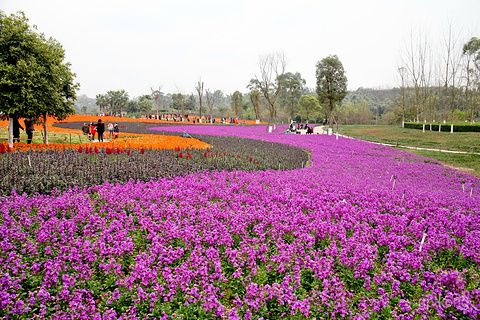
(133, 141)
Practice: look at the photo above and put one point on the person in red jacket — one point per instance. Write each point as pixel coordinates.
(93, 130)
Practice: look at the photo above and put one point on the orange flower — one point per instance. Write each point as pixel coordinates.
(134, 141)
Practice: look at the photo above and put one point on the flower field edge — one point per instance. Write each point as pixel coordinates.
(364, 231)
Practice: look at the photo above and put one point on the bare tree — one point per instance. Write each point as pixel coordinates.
(413, 61)
(471, 54)
(211, 99)
(271, 66)
(452, 61)
(402, 71)
(425, 60)
(199, 89)
(156, 94)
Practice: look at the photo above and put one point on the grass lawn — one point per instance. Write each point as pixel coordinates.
(396, 135)
(53, 137)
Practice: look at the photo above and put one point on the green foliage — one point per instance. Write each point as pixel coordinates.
(308, 106)
(237, 102)
(331, 82)
(256, 103)
(292, 88)
(35, 79)
(357, 112)
(116, 100)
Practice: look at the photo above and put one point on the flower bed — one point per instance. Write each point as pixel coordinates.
(341, 238)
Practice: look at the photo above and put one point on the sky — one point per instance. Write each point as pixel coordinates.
(137, 45)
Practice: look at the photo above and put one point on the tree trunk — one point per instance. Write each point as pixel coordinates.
(45, 136)
(474, 101)
(10, 132)
(330, 118)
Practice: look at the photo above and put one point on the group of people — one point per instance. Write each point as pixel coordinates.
(181, 118)
(292, 128)
(99, 128)
(29, 128)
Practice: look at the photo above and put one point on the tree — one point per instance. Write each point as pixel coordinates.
(35, 81)
(117, 100)
(101, 100)
(211, 98)
(156, 95)
(402, 71)
(471, 52)
(271, 66)
(132, 106)
(141, 105)
(199, 89)
(237, 102)
(308, 104)
(178, 102)
(145, 104)
(256, 103)
(190, 102)
(331, 83)
(293, 86)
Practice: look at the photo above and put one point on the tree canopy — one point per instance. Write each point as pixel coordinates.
(35, 80)
(308, 105)
(331, 82)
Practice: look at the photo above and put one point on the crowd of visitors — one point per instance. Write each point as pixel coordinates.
(92, 129)
(186, 118)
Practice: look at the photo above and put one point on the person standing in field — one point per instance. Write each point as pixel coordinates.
(100, 129)
(92, 130)
(16, 129)
(29, 128)
(116, 130)
(86, 130)
(110, 130)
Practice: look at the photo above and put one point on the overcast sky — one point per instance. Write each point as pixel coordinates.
(139, 44)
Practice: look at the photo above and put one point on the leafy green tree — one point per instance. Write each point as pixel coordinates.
(142, 105)
(190, 103)
(101, 100)
(308, 105)
(292, 84)
(35, 81)
(117, 100)
(178, 102)
(237, 102)
(132, 107)
(356, 112)
(331, 83)
(145, 103)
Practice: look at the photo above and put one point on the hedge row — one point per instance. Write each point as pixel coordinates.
(444, 127)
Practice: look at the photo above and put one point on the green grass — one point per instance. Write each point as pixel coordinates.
(53, 137)
(398, 136)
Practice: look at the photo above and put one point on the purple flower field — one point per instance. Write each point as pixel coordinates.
(341, 238)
